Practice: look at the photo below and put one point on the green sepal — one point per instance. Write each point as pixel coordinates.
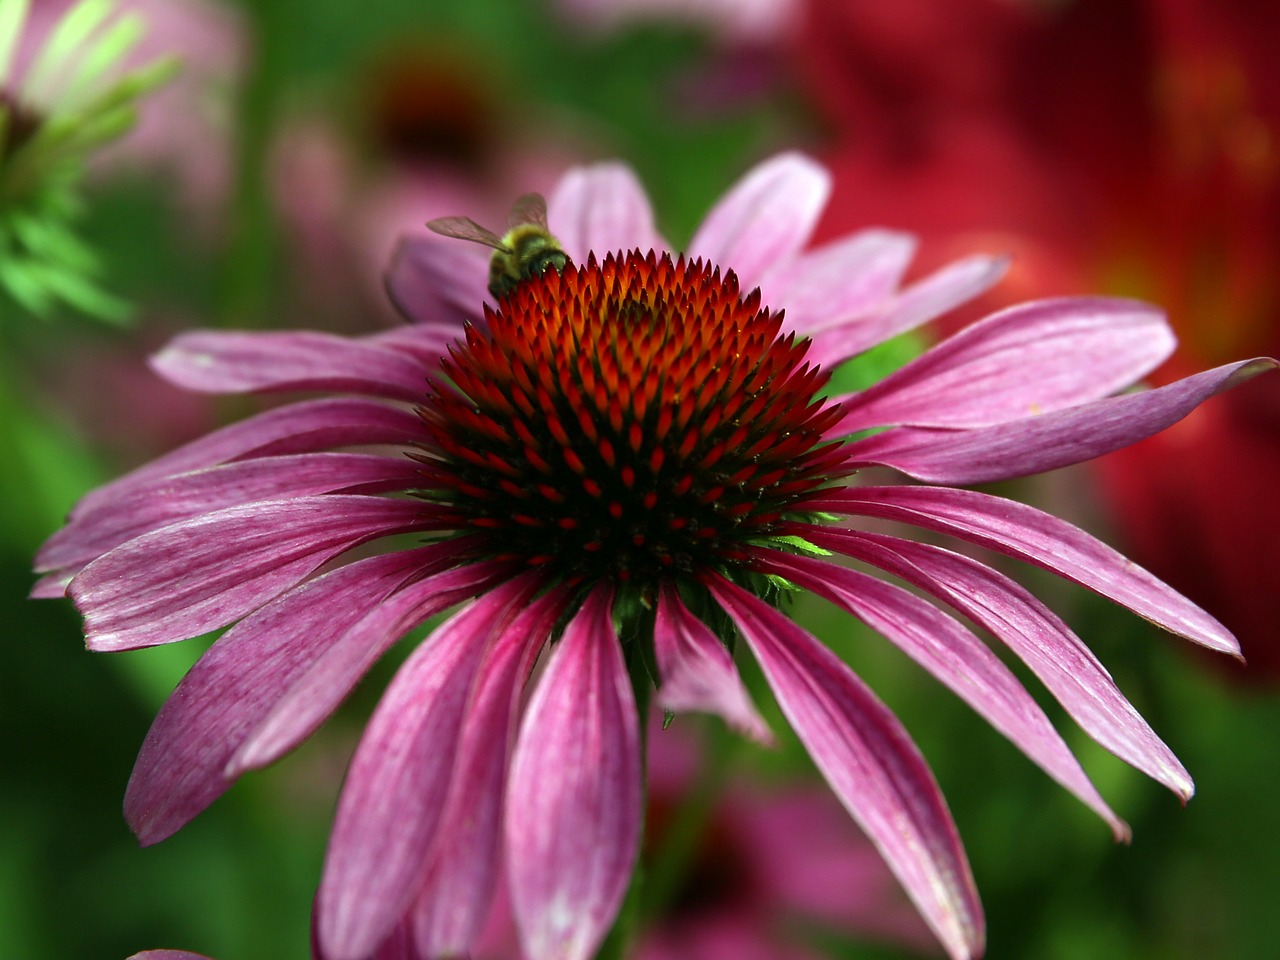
(799, 545)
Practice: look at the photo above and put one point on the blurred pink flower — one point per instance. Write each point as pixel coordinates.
(775, 860)
(434, 137)
(628, 450)
(184, 127)
(750, 22)
(744, 62)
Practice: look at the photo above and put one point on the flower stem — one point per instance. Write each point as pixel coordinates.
(668, 865)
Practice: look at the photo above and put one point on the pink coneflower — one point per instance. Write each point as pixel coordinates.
(624, 466)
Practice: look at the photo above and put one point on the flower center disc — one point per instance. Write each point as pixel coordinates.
(637, 418)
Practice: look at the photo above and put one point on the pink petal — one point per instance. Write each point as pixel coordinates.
(846, 278)
(765, 218)
(167, 955)
(398, 946)
(1018, 530)
(295, 428)
(1020, 362)
(1050, 440)
(924, 300)
(437, 282)
(52, 586)
(697, 671)
(1041, 640)
(152, 504)
(224, 697)
(574, 802)
(425, 343)
(334, 672)
(870, 763)
(395, 789)
(458, 893)
(955, 657)
(601, 209)
(217, 362)
(197, 575)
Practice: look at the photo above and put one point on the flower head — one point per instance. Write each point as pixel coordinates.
(639, 412)
(621, 466)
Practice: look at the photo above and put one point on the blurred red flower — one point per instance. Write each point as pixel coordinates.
(1132, 145)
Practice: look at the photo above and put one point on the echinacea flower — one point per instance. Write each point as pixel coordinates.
(621, 468)
(61, 99)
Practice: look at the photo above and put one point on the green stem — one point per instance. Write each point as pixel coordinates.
(670, 862)
(249, 270)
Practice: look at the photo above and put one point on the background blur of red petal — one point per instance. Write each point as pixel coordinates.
(1128, 146)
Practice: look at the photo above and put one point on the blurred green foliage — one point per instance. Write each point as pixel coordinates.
(238, 882)
(77, 96)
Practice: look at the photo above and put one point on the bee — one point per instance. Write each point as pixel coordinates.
(525, 251)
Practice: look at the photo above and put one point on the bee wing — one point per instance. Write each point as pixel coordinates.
(531, 208)
(464, 228)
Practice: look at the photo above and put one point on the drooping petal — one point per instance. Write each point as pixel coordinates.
(1051, 440)
(197, 575)
(602, 209)
(258, 362)
(156, 503)
(1023, 361)
(1041, 640)
(766, 217)
(435, 282)
(849, 277)
(334, 672)
(871, 764)
(925, 299)
(296, 428)
(456, 897)
(697, 671)
(181, 767)
(395, 788)
(956, 657)
(1018, 530)
(574, 799)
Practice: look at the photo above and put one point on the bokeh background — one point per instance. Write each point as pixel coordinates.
(1120, 146)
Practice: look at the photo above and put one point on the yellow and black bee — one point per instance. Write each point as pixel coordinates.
(525, 251)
